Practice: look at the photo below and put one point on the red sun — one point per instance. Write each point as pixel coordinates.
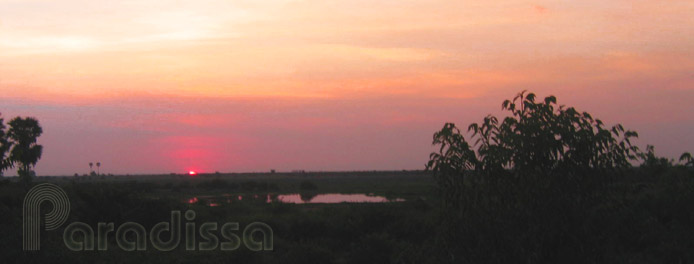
(192, 173)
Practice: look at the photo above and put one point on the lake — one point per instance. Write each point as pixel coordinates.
(295, 198)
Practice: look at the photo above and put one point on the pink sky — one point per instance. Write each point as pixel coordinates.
(155, 87)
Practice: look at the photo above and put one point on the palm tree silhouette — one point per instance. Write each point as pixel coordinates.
(90, 167)
(98, 165)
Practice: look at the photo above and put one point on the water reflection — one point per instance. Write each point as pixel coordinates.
(333, 198)
(303, 198)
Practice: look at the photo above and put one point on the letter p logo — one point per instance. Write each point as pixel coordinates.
(32, 209)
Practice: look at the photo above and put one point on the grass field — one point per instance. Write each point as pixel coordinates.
(309, 233)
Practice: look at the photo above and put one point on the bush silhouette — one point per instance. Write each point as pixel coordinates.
(307, 186)
(537, 139)
(5, 146)
(547, 183)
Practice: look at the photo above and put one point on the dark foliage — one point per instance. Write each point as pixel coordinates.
(307, 186)
(551, 184)
(20, 139)
(5, 146)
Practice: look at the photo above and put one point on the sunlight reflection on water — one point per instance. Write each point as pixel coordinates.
(334, 198)
(325, 198)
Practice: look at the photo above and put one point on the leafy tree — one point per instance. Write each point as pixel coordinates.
(654, 163)
(525, 181)
(5, 145)
(687, 159)
(536, 139)
(24, 133)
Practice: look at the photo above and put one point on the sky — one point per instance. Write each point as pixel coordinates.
(236, 86)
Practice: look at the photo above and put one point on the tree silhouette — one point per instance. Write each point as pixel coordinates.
(98, 165)
(5, 145)
(687, 159)
(537, 140)
(653, 162)
(91, 165)
(526, 181)
(24, 133)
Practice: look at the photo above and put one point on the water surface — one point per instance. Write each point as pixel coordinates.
(332, 198)
(295, 198)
